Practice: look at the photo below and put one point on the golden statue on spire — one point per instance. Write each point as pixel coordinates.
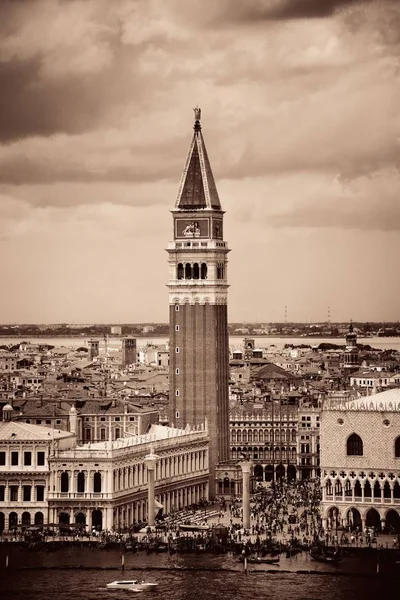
(197, 113)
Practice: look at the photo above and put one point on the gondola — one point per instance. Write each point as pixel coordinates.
(321, 555)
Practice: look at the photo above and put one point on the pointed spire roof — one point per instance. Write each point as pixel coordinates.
(197, 189)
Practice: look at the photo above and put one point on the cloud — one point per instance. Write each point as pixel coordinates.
(292, 9)
(209, 13)
(72, 78)
(314, 200)
(77, 40)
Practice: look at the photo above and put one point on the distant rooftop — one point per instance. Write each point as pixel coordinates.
(12, 430)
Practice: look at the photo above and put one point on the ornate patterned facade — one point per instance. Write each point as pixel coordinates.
(360, 461)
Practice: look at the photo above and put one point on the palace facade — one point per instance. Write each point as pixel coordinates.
(104, 485)
(360, 461)
(45, 478)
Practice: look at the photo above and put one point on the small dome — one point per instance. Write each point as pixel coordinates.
(7, 407)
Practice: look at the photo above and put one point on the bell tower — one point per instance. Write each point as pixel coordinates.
(198, 319)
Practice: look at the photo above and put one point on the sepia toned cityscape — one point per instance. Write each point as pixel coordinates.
(255, 429)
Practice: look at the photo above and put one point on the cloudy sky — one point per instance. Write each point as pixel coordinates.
(301, 117)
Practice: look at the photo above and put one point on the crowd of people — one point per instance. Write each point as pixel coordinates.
(284, 514)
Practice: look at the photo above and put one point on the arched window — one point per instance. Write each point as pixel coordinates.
(64, 482)
(188, 271)
(180, 272)
(354, 445)
(203, 271)
(97, 483)
(196, 271)
(81, 482)
(397, 447)
(338, 487)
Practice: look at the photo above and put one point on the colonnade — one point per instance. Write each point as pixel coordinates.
(168, 466)
(136, 511)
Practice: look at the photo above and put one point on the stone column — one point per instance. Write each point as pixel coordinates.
(108, 518)
(151, 460)
(246, 468)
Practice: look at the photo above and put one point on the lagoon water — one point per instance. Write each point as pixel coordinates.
(235, 342)
(185, 577)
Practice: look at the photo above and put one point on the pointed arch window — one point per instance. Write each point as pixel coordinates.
(397, 447)
(354, 445)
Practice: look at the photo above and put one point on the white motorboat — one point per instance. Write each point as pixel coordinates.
(146, 586)
(132, 584)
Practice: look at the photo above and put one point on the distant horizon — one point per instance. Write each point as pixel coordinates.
(268, 323)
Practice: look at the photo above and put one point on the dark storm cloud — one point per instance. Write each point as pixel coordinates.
(292, 9)
(69, 163)
(30, 108)
(266, 10)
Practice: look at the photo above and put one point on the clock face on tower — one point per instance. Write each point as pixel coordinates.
(192, 228)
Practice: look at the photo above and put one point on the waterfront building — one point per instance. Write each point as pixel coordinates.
(360, 461)
(46, 478)
(199, 347)
(24, 470)
(104, 485)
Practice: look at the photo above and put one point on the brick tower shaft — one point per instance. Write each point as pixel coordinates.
(198, 313)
